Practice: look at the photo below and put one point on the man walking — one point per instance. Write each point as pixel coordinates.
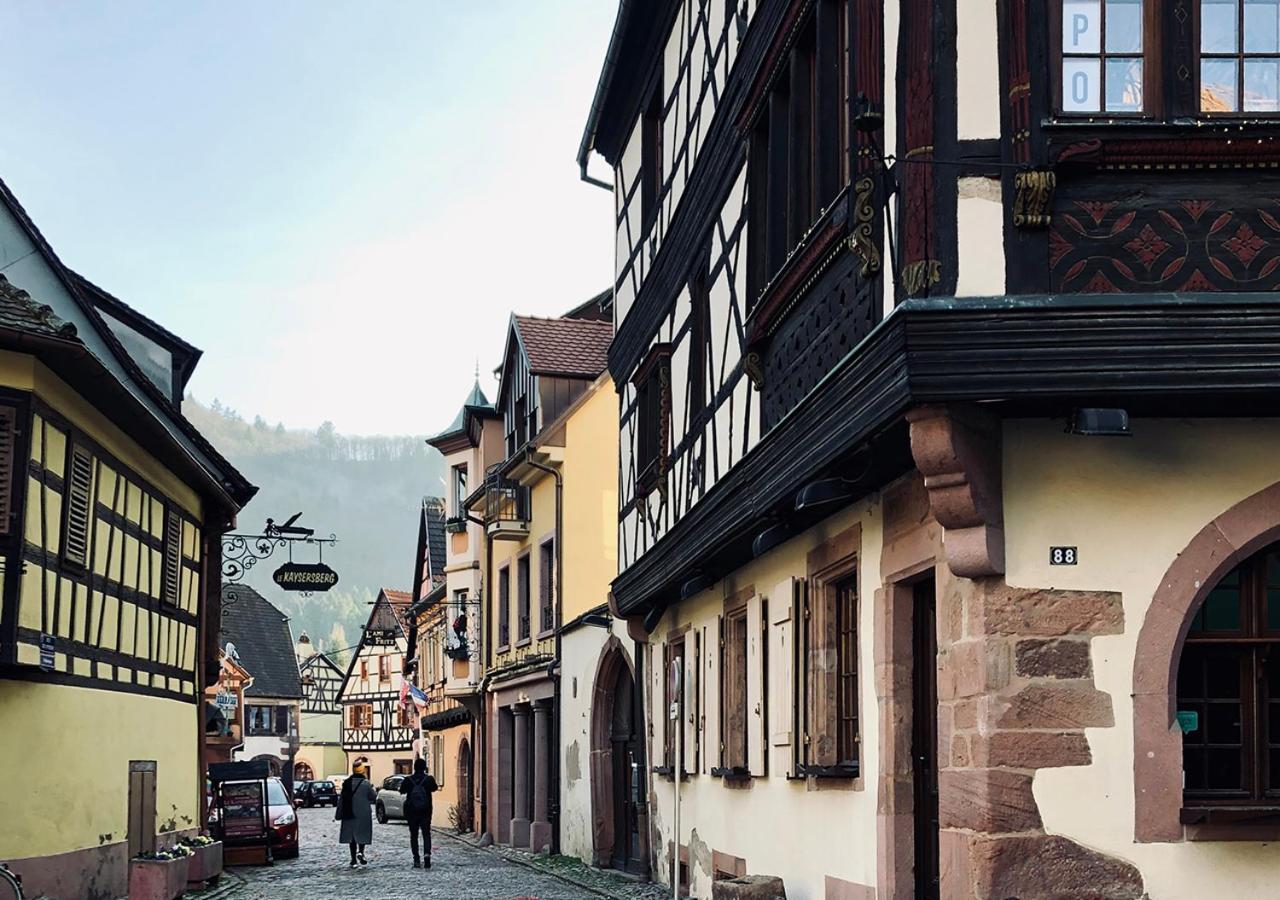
(418, 789)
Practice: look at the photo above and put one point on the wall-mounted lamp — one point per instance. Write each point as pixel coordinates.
(822, 492)
(600, 620)
(1099, 422)
(695, 585)
(769, 538)
(652, 618)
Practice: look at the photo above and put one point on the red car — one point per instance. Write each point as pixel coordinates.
(281, 819)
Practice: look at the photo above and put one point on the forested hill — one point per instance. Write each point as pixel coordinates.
(366, 490)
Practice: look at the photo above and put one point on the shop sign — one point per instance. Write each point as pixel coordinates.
(225, 700)
(243, 809)
(305, 577)
(46, 652)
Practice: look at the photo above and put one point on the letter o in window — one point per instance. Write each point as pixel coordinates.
(1080, 88)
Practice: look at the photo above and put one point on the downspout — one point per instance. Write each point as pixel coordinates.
(486, 623)
(602, 86)
(559, 621)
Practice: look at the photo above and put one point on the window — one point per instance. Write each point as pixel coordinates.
(651, 156)
(827, 672)
(1115, 55)
(847, 671)
(75, 536)
(360, 715)
(8, 438)
(1229, 690)
(459, 489)
(733, 692)
(653, 416)
(437, 759)
(364, 668)
(797, 155)
(384, 667)
(258, 720)
(546, 586)
(403, 767)
(406, 716)
(673, 650)
(1239, 56)
(522, 596)
(504, 606)
(1102, 56)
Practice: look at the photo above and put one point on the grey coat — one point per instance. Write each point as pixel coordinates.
(359, 828)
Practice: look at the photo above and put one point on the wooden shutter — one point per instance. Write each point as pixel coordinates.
(753, 705)
(693, 680)
(720, 736)
(172, 556)
(800, 689)
(8, 443)
(668, 747)
(75, 540)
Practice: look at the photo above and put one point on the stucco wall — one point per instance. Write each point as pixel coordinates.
(779, 826)
(53, 735)
(590, 501)
(1130, 506)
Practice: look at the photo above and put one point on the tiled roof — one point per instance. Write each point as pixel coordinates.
(263, 643)
(576, 348)
(475, 398)
(435, 539)
(19, 312)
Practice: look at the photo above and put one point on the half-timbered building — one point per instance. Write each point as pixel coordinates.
(550, 373)
(446, 724)
(112, 505)
(320, 752)
(946, 364)
(375, 725)
(257, 636)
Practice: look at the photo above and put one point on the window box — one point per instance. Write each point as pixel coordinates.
(839, 770)
(456, 525)
(459, 651)
(731, 773)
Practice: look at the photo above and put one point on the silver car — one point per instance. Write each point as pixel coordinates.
(390, 802)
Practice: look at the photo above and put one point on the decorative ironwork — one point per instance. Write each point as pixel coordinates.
(241, 552)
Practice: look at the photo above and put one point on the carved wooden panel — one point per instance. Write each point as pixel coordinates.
(1184, 236)
(838, 312)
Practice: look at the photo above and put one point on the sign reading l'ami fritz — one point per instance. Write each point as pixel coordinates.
(305, 577)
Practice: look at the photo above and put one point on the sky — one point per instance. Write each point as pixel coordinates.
(340, 203)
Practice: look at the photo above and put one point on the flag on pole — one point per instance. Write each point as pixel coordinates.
(419, 698)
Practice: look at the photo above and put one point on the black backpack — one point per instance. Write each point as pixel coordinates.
(419, 798)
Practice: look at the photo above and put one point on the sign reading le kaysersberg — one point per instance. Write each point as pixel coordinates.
(305, 577)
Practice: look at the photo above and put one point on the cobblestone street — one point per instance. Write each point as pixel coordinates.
(459, 870)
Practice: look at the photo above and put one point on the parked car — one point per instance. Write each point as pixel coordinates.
(281, 820)
(316, 793)
(390, 802)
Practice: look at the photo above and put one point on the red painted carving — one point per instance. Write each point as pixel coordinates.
(1245, 245)
(1147, 246)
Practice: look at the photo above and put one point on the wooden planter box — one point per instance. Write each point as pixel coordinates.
(205, 863)
(157, 879)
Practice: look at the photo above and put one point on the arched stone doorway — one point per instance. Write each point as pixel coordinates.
(617, 764)
(302, 771)
(274, 764)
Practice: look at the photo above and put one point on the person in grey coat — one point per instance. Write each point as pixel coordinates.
(355, 812)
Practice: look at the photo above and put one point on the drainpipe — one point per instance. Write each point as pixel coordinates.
(486, 590)
(559, 621)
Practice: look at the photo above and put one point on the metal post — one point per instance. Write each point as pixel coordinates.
(677, 716)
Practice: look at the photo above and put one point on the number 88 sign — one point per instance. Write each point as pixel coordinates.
(1063, 556)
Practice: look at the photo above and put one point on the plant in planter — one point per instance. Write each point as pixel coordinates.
(205, 863)
(159, 875)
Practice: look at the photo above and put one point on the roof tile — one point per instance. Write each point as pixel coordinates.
(577, 348)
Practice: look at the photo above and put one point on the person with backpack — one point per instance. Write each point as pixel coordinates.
(418, 789)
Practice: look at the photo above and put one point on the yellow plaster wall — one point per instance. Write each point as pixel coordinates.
(542, 525)
(778, 826)
(447, 777)
(1130, 506)
(590, 501)
(69, 785)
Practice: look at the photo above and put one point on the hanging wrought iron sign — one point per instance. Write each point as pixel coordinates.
(241, 552)
(305, 577)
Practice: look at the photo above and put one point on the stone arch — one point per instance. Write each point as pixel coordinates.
(465, 805)
(1236, 534)
(303, 771)
(614, 662)
(274, 763)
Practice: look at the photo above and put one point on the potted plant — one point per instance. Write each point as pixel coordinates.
(205, 862)
(158, 875)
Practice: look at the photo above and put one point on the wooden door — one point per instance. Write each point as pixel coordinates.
(924, 739)
(142, 806)
(624, 747)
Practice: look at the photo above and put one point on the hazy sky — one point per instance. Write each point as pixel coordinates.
(339, 202)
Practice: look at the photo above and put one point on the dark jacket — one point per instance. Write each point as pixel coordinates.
(428, 782)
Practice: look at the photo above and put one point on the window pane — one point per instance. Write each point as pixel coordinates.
(1226, 770)
(1261, 93)
(1081, 26)
(1080, 88)
(1261, 26)
(1191, 673)
(1224, 723)
(1193, 769)
(1218, 26)
(1124, 26)
(1222, 606)
(1273, 723)
(1224, 676)
(1124, 85)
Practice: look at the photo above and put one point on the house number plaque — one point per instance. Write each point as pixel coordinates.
(1063, 556)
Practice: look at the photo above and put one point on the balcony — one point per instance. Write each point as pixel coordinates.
(506, 508)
